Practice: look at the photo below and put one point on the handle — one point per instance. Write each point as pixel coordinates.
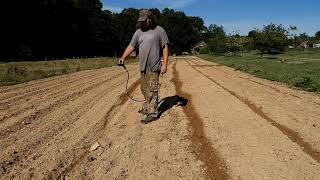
(121, 64)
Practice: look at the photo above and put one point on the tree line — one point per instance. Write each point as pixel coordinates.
(271, 39)
(47, 29)
(58, 29)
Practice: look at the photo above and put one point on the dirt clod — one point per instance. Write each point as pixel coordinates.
(95, 146)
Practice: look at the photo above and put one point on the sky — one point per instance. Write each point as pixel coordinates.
(237, 16)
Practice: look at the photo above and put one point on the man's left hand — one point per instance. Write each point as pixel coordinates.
(164, 69)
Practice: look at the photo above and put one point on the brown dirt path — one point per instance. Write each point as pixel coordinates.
(234, 126)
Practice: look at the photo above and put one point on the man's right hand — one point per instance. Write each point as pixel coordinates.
(164, 69)
(120, 62)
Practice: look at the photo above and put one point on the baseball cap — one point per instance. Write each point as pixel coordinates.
(144, 14)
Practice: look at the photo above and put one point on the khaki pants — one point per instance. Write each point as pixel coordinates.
(149, 89)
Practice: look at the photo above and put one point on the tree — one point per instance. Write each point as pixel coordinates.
(244, 43)
(317, 35)
(216, 38)
(212, 31)
(272, 39)
(44, 29)
(124, 25)
(197, 23)
(217, 44)
(232, 44)
(253, 33)
(261, 42)
(183, 31)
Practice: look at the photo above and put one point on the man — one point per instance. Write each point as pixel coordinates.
(152, 42)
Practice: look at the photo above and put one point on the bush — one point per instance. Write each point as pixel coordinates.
(306, 83)
(204, 50)
(66, 69)
(217, 44)
(16, 70)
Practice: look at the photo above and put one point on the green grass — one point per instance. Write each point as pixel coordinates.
(301, 68)
(296, 55)
(20, 72)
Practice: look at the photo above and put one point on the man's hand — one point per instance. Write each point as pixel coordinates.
(120, 62)
(164, 69)
(126, 54)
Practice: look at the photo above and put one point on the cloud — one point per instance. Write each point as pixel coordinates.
(175, 4)
(113, 9)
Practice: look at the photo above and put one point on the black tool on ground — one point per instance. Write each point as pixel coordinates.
(121, 63)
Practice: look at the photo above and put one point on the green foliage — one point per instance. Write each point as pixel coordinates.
(213, 31)
(317, 35)
(216, 39)
(183, 31)
(232, 44)
(253, 33)
(197, 23)
(236, 44)
(50, 29)
(124, 26)
(272, 39)
(65, 69)
(204, 50)
(306, 83)
(16, 70)
(217, 44)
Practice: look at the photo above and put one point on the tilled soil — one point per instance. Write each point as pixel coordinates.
(233, 126)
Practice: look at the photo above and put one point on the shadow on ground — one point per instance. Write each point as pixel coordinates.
(168, 102)
(165, 104)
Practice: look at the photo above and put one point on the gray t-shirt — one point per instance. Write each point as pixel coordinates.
(150, 44)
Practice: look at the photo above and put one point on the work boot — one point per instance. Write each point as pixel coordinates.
(143, 111)
(150, 118)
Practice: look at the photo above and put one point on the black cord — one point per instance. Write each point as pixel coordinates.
(127, 93)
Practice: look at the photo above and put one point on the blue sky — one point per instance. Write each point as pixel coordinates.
(238, 15)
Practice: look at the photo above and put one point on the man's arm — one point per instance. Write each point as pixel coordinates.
(126, 54)
(165, 62)
(130, 48)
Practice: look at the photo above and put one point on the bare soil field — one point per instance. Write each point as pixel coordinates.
(234, 126)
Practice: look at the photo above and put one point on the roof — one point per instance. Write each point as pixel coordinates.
(199, 45)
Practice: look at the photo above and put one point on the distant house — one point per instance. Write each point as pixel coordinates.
(196, 48)
(291, 47)
(316, 45)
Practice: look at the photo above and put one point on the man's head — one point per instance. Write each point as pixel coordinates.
(146, 20)
(144, 14)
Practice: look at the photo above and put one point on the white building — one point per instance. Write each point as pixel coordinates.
(316, 45)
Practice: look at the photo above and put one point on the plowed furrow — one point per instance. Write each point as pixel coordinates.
(38, 85)
(291, 134)
(38, 99)
(97, 129)
(16, 97)
(38, 113)
(215, 166)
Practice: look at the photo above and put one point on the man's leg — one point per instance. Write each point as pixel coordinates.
(152, 96)
(144, 89)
